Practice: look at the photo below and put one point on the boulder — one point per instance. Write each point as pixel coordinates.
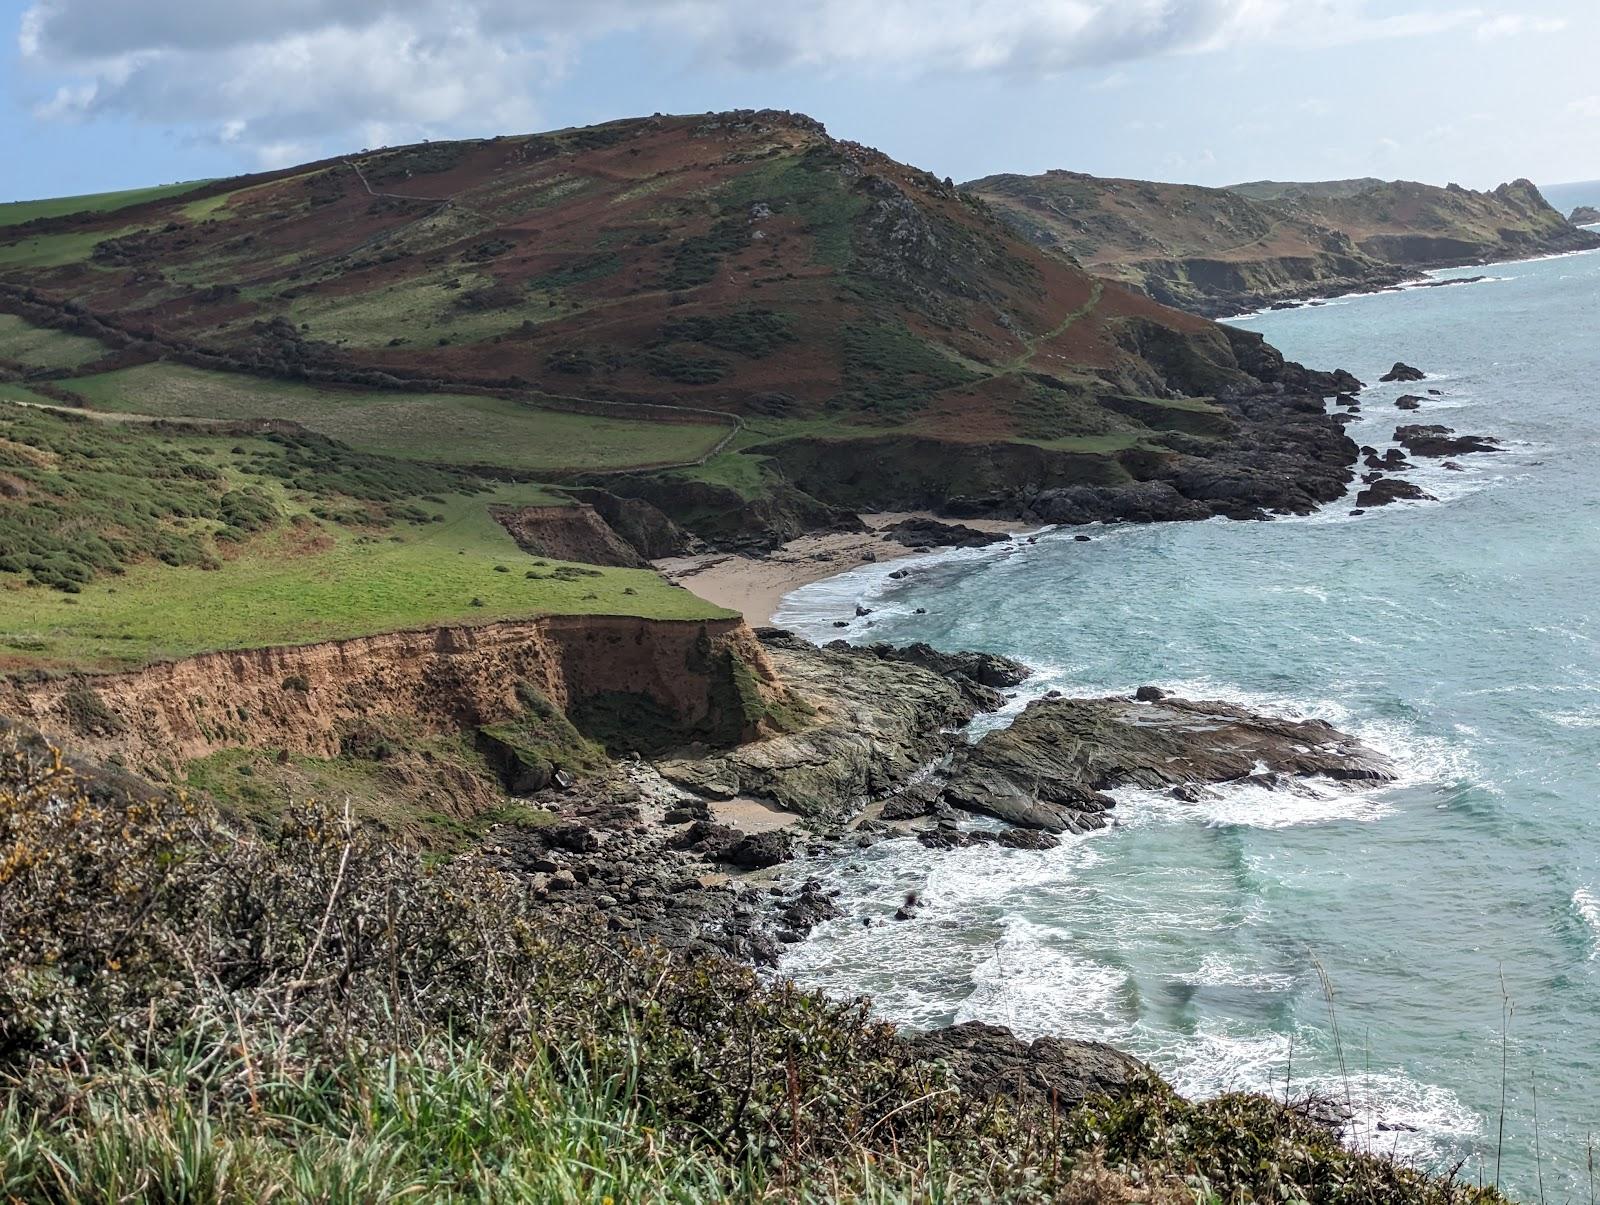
(1392, 489)
(931, 533)
(989, 1061)
(1408, 401)
(757, 851)
(1436, 442)
(1403, 372)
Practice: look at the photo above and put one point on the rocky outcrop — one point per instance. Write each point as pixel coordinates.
(1392, 489)
(646, 529)
(930, 533)
(1435, 442)
(728, 519)
(979, 676)
(567, 533)
(1584, 215)
(1403, 372)
(301, 698)
(1051, 767)
(876, 722)
(989, 1061)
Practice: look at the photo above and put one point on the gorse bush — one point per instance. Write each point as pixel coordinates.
(189, 1014)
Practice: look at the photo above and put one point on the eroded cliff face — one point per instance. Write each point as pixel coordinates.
(709, 677)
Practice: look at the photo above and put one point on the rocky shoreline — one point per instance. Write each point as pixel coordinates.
(708, 851)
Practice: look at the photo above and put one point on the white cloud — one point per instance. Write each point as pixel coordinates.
(1586, 106)
(277, 76)
(1511, 25)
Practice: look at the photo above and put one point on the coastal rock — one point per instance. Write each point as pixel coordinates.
(1408, 401)
(1048, 770)
(914, 801)
(989, 1061)
(1403, 372)
(1437, 442)
(930, 533)
(1393, 460)
(1392, 489)
(965, 669)
(873, 721)
(757, 851)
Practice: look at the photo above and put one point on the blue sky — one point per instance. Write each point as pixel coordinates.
(103, 94)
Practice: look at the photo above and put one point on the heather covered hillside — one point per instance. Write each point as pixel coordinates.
(760, 321)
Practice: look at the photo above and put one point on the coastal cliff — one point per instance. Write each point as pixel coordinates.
(709, 679)
(1220, 251)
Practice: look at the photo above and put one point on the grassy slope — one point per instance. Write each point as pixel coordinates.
(735, 261)
(279, 593)
(41, 348)
(448, 428)
(328, 565)
(14, 212)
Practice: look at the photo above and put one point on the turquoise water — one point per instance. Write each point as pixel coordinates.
(1459, 636)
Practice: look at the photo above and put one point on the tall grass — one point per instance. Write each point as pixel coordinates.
(190, 1015)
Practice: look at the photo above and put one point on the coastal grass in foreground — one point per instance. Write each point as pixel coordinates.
(190, 1013)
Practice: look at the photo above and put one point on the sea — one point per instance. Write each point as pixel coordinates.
(1427, 952)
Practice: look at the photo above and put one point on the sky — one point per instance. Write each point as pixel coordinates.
(105, 94)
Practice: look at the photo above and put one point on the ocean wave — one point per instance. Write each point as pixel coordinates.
(1035, 984)
(814, 609)
(1389, 1110)
(1587, 905)
(1236, 805)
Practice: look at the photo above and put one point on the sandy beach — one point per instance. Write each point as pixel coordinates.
(755, 586)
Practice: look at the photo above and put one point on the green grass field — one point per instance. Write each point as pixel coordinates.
(447, 428)
(41, 347)
(303, 585)
(13, 213)
(120, 544)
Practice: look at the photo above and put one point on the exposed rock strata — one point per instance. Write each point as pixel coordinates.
(879, 721)
(567, 533)
(299, 698)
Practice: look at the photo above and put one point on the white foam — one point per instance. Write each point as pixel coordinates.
(813, 609)
(1587, 905)
(1035, 984)
(1241, 805)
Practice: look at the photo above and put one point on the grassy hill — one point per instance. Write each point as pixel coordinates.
(1218, 251)
(671, 280)
(732, 322)
(123, 542)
